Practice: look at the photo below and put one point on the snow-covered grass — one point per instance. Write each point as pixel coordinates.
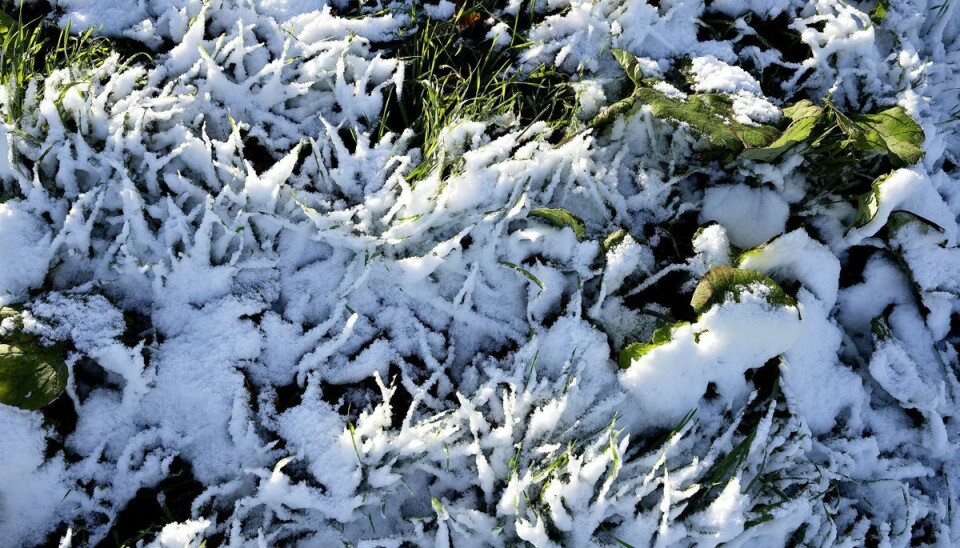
(450, 79)
(564, 272)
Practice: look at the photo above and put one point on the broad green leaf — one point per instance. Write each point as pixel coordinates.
(31, 376)
(661, 336)
(560, 218)
(629, 63)
(894, 131)
(802, 109)
(725, 282)
(797, 132)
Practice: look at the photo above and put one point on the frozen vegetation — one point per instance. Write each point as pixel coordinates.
(719, 304)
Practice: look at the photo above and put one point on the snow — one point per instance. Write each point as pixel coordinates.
(712, 74)
(819, 387)
(753, 109)
(181, 534)
(250, 287)
(712, 247)
(500, 34)
(25, 253)
(441, 10)
(797, 256)
(591, 98)
(30, 488)
(750, 215)
(669, 90)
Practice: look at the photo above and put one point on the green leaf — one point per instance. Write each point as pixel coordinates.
(899, 219)
(802, 109)
(797, 132)
(893, 131)
(629, 63)
(561, 218)
(711, 115)
(879, 12)
(664, 333)
(724, 282)
(869, 202)
(526, 273)
(804, 117)
(612, 112)
(31, 376)
(634, 351)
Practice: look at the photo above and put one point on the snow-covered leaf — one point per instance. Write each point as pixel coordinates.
(723, 283)
(634, 351)
(561, 218)
(614, 238)
(804, 116)
(869, 204)
(709, 114)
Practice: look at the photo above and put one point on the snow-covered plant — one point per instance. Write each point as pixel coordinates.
(564, 273)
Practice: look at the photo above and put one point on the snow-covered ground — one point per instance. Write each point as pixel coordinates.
(340, 356)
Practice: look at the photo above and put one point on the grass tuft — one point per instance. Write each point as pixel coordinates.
(455, 73)
(33, 49)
